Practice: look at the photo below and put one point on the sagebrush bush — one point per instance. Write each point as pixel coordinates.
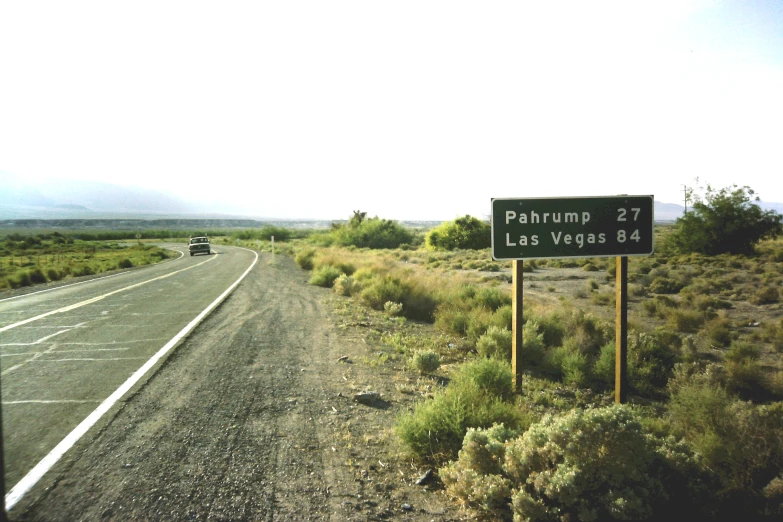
(426, 361)
(594, 464)
(495, 343)
(532, 344)
(651, 360)
(304, 258)
(346, 285)
(325, 275)
(475, 478)
(392, 308)
(603, 372)
(741, 442)
(765, 295)
(687, 321)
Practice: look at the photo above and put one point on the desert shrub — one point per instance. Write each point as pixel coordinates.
(37, 276)
(53, 275)
(491, 376)
(416, 301)
(475, 478)
(765, 295)
(363, 232)
(600, 464)
(325, 275)
(492, 298)
(727, 221)
(125, 263)
(304, 258)
(495, 343)
(426, 361)
(392, 308)
(532, 344)
(592, 284)
(502, 318)
(664, 285)
(435, 428)
(83, 270)
(22, 279)
(741, 442)
(741, 351)
(688, 321)
(603, 372)
(651, 360)
(346, 285)
(463, 233)
(568, 365)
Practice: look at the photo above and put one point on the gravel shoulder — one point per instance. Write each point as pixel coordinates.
(250, 418)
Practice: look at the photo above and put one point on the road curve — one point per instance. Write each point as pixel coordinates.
(66, 351)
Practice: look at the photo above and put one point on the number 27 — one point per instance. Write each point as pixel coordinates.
(622, 212)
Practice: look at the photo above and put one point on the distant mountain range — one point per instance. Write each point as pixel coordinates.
(74, 199)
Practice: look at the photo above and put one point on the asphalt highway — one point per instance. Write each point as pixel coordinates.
(66, 350)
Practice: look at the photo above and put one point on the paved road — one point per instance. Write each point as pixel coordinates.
(66, 350)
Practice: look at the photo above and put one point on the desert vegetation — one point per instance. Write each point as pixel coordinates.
(702, 434)
(27, 260)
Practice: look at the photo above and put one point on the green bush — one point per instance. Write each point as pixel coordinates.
(304, 258)
(36, 276)
(687, 321)
(651, 360)
(83, 270)
(741, 351)
(594, 464)
(495, 343)
(346, 285)
(765, 295)
(604, 369)
(363, 232)
(426, 361)
(125, 263)
(532, 344)
(475, 479)
(53, 275)
(741, 442)
(463, 233)
(416, 301)
(325, 275)
(392, 308)
(725, 222)
(476, 398)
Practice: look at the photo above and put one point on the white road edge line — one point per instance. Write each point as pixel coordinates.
(181, 255)
(100, 297)
(40, 469)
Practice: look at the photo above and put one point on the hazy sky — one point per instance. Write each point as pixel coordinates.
(405, 109)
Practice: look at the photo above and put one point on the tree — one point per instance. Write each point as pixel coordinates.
(465, 232)
(727, 221)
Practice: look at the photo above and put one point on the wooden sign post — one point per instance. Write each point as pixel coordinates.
(517, 321)
(621, 332)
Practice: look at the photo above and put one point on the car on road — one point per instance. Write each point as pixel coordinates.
(199, 245)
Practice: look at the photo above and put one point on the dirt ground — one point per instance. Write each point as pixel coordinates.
(251, 418)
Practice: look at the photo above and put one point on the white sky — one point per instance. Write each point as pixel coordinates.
(405, 109)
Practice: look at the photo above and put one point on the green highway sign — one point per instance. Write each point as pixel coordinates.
(543, 228)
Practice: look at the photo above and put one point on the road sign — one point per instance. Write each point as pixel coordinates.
(572, 227)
